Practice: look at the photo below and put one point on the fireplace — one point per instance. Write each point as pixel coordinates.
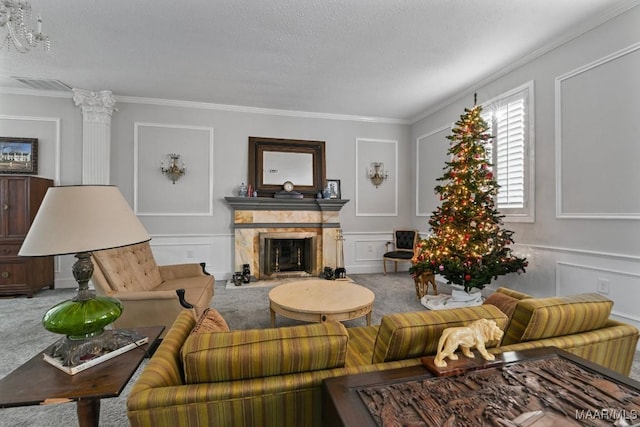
(312, 225)
(287, 254)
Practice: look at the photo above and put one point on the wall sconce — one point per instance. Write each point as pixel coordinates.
(173, 172)
(377, 174)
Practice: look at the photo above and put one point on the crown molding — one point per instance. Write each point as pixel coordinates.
(580, 29)
(258, 110)
(213, 106)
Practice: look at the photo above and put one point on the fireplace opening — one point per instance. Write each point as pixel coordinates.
(287, 254)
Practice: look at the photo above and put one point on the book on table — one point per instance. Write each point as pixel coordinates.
(110, 344)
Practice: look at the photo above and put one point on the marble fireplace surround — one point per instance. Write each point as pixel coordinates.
(254, 216)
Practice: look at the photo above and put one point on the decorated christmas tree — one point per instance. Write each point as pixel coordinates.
(468, 245)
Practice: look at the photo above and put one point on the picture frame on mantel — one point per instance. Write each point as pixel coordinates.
(334, 188)
(18, 155)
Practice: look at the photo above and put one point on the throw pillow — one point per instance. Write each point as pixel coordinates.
(210, 321)
(505, 303)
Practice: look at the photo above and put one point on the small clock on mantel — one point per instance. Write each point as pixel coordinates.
(287, 192)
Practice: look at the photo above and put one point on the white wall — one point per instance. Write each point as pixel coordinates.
(587, 203)
(190, 221)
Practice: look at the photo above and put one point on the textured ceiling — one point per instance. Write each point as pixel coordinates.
(371, 58)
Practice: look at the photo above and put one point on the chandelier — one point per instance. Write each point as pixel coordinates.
(15, 17)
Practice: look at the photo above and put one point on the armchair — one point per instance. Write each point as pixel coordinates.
(403, 243)
(152, 295)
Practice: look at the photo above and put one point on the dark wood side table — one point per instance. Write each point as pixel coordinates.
(39, 383)
(530, 388)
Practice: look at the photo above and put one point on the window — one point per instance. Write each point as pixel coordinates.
(511, 151)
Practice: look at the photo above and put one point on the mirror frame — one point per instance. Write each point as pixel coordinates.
(257, 147)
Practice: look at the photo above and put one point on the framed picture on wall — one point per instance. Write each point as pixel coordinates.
(18, 155)
(334, 188)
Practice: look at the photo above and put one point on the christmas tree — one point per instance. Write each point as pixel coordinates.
(468, 245)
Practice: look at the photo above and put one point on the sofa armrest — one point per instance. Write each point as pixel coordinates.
(144, 308)
(613, 346)
(145, 295)
(154, 296)
(165, 367)
(178, 271)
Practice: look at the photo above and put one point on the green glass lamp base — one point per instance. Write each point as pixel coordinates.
(83, 318)
(80, 319)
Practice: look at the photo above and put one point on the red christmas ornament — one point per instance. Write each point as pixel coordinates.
(467, 277)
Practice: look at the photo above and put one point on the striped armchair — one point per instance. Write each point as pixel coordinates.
(273, 377)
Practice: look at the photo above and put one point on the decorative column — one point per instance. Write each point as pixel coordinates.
(96, 134)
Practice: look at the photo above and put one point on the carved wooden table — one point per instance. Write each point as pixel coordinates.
(39, 383)
(318, 300)
(539, 387)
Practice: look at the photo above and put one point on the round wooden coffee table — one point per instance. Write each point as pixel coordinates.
(318, 300)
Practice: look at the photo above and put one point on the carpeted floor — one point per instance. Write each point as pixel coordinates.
(243, 307)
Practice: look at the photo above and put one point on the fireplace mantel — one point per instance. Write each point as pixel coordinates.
(255, 216)
(273, 204)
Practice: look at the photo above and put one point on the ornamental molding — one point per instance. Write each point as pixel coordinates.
(95, 106)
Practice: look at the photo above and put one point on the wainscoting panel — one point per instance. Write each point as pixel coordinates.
(363, 252)
(214, 250)
(620, 286)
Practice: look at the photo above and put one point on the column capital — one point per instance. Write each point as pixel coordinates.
(95, 106)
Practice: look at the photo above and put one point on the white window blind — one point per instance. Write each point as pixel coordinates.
(511, 151)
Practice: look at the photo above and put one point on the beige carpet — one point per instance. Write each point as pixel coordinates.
(23, 337)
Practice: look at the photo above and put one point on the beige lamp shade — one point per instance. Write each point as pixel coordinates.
(82, 218)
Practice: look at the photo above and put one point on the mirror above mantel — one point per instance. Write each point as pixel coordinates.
(274, 161)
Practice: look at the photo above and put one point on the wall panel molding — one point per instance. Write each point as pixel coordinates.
(215, 250)
(154, 194)
(57, 148)
(383, 200)
(592, 98)
(425, 175)
(621, 286)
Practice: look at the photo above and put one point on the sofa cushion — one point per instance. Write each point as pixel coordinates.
(538, 318)
(131, 268)
(409, 335)
(506, 304)
(361, 342)
(256, 353)
(210, 321)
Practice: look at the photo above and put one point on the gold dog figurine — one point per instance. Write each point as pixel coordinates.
(422, 281)
(466, 337)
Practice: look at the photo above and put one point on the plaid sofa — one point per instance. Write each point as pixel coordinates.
(273, 377)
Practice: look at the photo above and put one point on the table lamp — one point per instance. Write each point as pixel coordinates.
(78, 220)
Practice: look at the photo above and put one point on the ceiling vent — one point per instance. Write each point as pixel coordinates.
(43, 84)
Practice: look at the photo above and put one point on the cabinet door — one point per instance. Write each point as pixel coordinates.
(14, 211)
(13, 273)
